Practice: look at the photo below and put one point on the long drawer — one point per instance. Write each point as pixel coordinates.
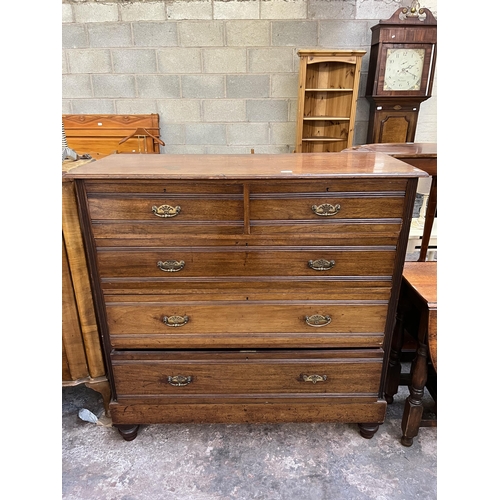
(229, 323)
(177, 232)
(245, 261)
(247, 288)
(195, 374)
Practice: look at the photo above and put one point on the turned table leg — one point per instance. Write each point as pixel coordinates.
(412, 414)
(127, 432)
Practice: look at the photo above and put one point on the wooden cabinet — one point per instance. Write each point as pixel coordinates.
(246, 288)
(327, 99)
(82, 358)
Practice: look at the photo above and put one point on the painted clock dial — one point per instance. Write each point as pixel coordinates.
(403, 69)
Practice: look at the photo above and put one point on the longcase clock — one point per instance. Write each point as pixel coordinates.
(401, 72)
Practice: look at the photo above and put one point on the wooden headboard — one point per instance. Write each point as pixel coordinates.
(100, 135)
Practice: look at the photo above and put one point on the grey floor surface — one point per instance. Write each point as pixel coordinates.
(222, 462)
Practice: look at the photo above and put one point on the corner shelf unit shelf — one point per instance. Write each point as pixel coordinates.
(327, 98)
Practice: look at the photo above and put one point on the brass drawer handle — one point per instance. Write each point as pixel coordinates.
(179, 380)
(175, 320)
(165, 210)
(321, 264)
(318, 320)
(326, 209)
(170, 266)
(313, 378)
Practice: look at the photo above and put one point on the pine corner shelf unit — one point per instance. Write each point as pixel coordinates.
(327, 98)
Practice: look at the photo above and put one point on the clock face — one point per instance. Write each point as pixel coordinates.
(403, 69)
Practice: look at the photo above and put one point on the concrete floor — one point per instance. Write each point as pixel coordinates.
(222, 462)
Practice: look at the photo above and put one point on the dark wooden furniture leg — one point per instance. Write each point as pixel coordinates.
(368, 430)
(412, 414)
(127, 432)
(430, 214)
(394, 368)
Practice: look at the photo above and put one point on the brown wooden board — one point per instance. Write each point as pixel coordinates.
(100, 135)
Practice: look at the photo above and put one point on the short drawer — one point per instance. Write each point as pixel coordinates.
(247, 374)
(169, 210)
(218, 262)
(158, 323)
(325, 206)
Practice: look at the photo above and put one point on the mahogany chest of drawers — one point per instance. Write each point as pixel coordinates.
(246, 288)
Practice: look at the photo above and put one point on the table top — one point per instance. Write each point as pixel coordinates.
(422, 277)
(401, 150)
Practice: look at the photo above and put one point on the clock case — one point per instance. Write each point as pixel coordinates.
(394, 113)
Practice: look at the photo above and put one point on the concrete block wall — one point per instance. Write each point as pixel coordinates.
(222, 74)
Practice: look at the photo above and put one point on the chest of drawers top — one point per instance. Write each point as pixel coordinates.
(238, 167)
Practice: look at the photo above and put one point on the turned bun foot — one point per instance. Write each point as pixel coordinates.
(406, 441)
(368, 430)
(128, 432)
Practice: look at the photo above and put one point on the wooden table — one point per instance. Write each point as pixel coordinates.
(417, 314)
(423, 156)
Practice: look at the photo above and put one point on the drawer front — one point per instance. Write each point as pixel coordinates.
(164, 187)
(246, 289)
(394, 186)
(170, 211)
(196, 374)
(229, 323)
(325, 207)
(173, 263)
(362, 229)
(143, 232)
